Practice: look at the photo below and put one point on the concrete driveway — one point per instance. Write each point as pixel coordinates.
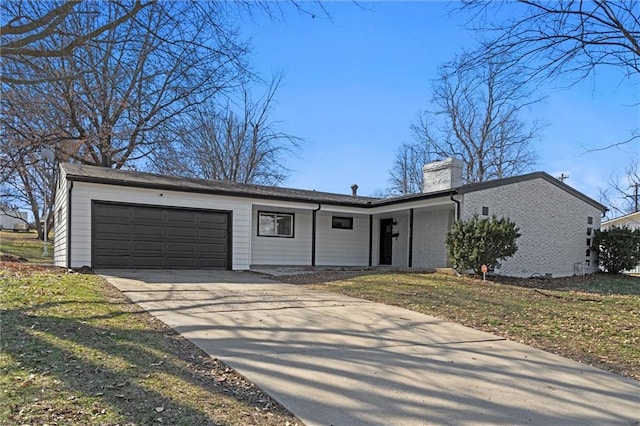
(336, 360)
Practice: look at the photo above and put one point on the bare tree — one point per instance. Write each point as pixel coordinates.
(553, 38)
(476, 118)
(106, 82)
(567, 38)
(32, 29)
(126, 89)
(120, 94)
(219, 143)
(406, 174)
(32, 184)
(622, 194)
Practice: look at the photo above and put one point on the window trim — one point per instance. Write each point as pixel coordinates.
(275, 215)
(333, 224)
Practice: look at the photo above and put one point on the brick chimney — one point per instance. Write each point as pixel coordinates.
(441, 175)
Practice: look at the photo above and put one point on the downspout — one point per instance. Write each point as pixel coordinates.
(69, 225)
(410, 238)
(370, 240)
(313, 235)
(457, 206)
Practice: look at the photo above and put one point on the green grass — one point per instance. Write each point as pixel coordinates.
(601, 328)
(75, 351)
(25, 245)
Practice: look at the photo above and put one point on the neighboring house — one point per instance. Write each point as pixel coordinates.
(10, 218)
(631, 221)
(109, 218)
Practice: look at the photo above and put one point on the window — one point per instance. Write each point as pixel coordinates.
(588, 253)
(485, 211)
(588, 242)
(275, 225)
(589, 231)
(589, 220)
(342, 222)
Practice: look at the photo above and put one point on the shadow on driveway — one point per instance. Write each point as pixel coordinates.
(333, 359)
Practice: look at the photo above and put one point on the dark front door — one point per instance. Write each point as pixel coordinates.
(386, 242)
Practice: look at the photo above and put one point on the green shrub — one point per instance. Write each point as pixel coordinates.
(618, 248)
(478, 242)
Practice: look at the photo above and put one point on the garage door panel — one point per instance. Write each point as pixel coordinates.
(147, 262)
(136, 236)
(112, 245)
(113, 212)
(182, 248)
(144, 248)
(184, 216)
(151, 214)
(113, 228)
(181, 233)
(148, 229)
(212, 234)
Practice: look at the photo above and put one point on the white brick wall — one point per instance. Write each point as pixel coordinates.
(439, 175)
(553, 224)
(430, 228)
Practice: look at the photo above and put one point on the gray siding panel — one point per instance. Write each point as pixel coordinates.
(135, 236)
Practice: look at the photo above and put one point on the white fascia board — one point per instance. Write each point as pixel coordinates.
(432, 202)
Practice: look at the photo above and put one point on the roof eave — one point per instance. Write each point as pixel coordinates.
(211, 191)
(530, 176)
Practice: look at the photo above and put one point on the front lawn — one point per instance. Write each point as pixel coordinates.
(25, 246)
(74, 350)
(593, 319)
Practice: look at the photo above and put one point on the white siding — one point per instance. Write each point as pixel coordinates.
(281, 250)
(553, 224)
(430, 228)
(83, 193)
(342, 247)
(60, 222)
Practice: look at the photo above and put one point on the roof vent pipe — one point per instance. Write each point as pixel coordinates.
(354, 190)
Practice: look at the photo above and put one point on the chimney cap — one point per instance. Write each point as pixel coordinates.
(354, 190)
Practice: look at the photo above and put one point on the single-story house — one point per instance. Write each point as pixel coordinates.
(109, 218)
(631, 221)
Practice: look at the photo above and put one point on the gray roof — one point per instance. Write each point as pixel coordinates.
(95, 174)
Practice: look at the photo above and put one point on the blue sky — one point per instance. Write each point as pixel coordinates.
(353, 85)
